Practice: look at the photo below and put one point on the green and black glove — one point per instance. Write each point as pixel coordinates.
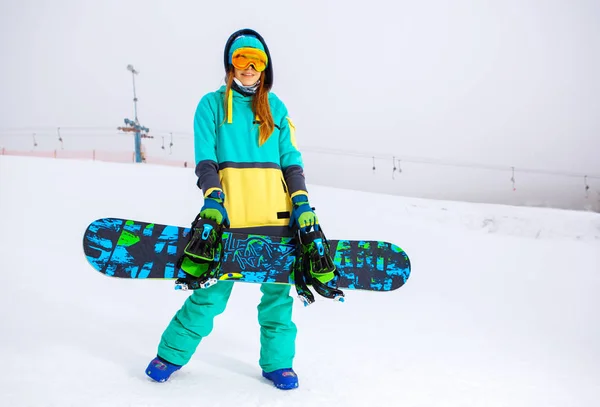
(214, 208)
(302, 215)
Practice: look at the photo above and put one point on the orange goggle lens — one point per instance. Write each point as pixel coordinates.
(244, 57)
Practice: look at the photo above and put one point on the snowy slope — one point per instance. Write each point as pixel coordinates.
(501, 308)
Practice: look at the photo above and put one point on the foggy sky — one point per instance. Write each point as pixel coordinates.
(500, 82)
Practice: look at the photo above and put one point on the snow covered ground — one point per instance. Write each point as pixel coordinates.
(501, 308)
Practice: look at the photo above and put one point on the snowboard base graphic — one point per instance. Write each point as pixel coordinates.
(131, 249)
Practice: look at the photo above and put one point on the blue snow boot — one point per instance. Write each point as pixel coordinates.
(284, 379)
(160, 370)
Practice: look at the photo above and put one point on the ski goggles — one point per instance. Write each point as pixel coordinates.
(242, 58)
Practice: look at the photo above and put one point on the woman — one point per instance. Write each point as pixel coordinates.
(251, 174)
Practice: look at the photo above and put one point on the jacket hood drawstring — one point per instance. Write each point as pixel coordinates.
(230, 104)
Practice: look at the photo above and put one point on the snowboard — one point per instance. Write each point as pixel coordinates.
(131, 249)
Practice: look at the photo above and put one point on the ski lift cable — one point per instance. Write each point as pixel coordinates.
(441, 162)
(94, 130)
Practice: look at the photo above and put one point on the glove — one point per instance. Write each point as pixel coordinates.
(302, 215)
(213, 208)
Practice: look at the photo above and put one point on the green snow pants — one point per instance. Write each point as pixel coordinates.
(194, 321)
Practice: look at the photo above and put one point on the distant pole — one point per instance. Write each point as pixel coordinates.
(135, 99)
(134, 126)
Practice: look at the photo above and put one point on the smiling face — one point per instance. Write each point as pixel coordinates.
(248, 76)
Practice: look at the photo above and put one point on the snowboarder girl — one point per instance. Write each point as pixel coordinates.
(251, 174)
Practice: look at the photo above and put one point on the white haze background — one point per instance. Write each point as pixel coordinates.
(502, 83)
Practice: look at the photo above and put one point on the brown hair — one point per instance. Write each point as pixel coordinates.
(260, 107)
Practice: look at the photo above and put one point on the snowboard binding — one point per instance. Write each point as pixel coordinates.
(202, 256)
(314, 266)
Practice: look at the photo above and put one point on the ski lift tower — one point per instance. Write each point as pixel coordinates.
(134, 126)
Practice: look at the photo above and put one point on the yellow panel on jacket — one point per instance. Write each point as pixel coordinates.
(255, 196)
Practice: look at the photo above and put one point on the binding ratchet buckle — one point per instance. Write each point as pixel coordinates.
(202, 256)
(314, 266)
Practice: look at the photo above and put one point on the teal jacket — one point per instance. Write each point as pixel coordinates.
(258, 181)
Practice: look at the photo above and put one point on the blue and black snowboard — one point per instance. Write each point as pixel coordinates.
(138, 250)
